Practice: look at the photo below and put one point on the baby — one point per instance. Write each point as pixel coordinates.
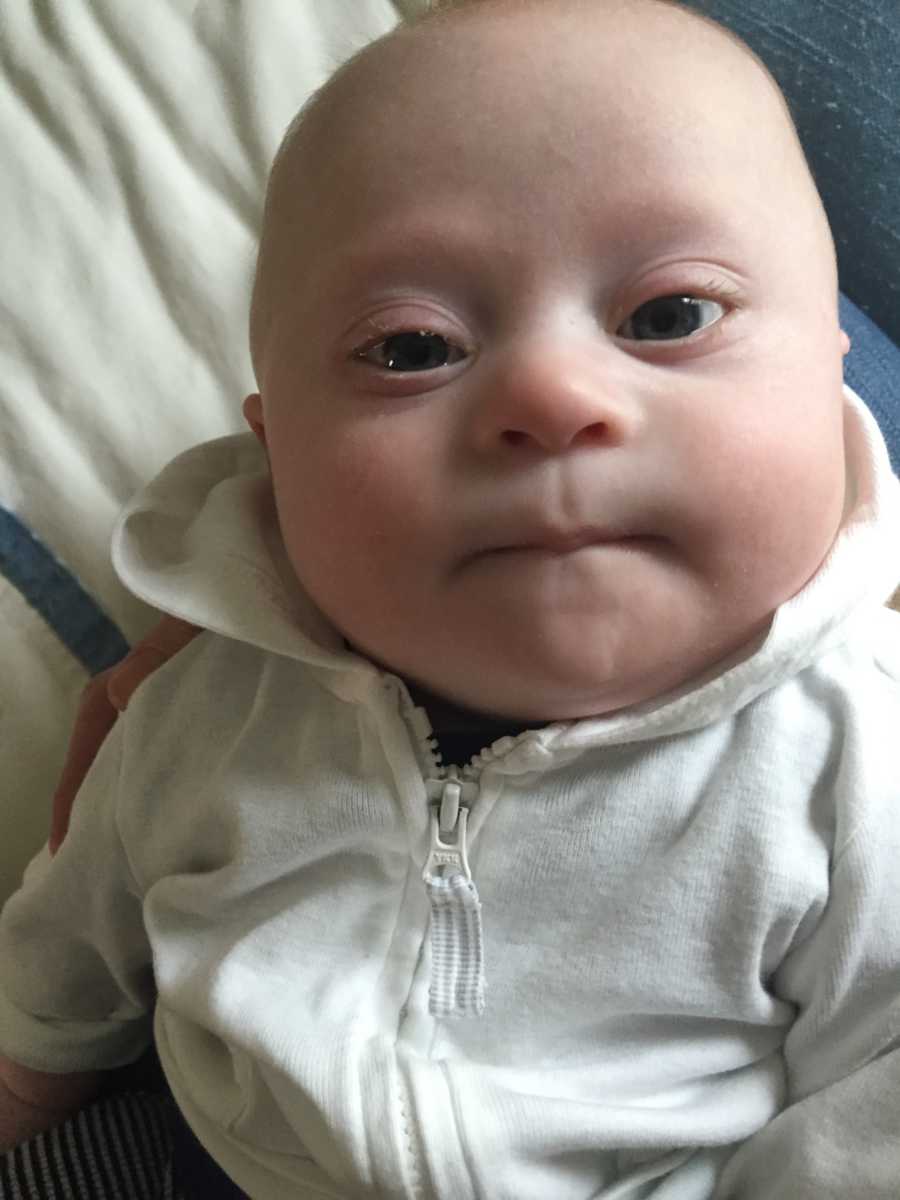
(527, 826)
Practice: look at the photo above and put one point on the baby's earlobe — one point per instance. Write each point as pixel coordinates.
(253, 415)
(845, 343)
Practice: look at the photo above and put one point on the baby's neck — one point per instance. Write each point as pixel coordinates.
(462, 732)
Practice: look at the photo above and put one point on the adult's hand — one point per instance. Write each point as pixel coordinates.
(101, 702)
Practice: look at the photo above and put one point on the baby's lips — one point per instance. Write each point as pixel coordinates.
(559, 541)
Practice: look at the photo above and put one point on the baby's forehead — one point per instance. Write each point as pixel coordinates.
(500, 62)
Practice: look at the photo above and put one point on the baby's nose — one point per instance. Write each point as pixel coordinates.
(550, 401)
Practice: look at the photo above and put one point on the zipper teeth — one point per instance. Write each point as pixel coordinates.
(414, 1151)
(433, 765)
(433, 768)
(431, 758)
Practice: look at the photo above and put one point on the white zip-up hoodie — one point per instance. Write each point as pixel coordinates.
(674, 971)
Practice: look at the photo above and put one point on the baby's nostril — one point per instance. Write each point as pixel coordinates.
(597, 432)
(559, 439)
(515, 437)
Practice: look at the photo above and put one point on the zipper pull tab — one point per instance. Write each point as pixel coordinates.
(457, 950)
(447, 853)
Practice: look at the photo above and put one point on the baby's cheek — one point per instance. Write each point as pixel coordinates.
(760, 498)
(386, 494)
(353, 526)
(785, 522)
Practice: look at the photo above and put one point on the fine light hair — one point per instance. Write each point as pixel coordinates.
(434, 9)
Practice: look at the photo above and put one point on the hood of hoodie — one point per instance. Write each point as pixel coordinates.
(202, 543)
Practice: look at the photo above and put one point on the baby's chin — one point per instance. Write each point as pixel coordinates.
(522, 695)
(580, 680)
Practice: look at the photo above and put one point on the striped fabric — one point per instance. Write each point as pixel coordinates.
(53, 591)
(117, 1149)
(457, 955)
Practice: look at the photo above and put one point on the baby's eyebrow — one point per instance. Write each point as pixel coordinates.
(408, 242)
(457, 247)
(398, 254)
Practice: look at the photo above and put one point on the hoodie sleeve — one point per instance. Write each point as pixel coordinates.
(839, 1136)
(76, 983)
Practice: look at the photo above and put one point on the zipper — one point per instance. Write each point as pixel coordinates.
(457, 943)
(415, 1151)
(457, 985)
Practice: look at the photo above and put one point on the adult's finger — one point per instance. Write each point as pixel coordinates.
(102, 700)
(93, 721)
(164, 641)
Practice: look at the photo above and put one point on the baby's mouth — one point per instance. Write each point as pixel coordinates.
(566, 543)
(561, 542)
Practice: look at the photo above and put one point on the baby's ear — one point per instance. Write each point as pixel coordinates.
(845, 343)
(253, 415)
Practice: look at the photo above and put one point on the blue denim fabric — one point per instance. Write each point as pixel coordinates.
(838, 64)
(872, 369)
(53, 591)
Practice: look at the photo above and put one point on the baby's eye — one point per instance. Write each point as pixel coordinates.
(419, 350)
(667, 317)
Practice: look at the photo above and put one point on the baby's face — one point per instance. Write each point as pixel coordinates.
(497, 471)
